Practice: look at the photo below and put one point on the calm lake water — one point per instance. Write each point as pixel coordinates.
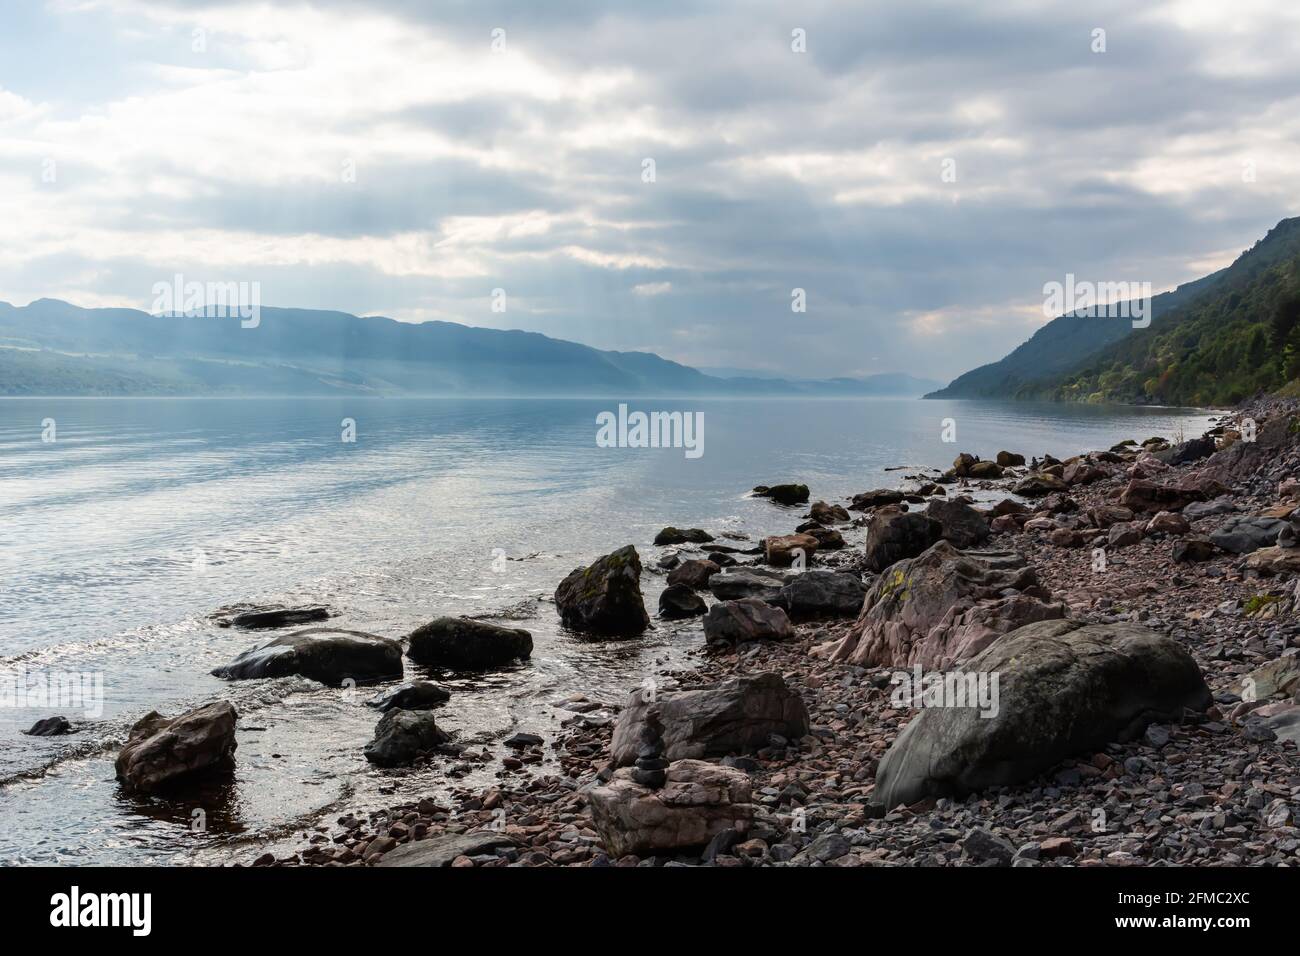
(121, 536)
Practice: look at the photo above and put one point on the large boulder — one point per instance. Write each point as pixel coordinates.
(784, 550)
(678, 601)
(894, 535)
(461, 643)
(821, 594)
(1063, 688)
(1009, 459)
(694, 573)
(749, 619)
(960, 524)
(1242, 534)
(1194, 449)
(736, 716)
(160, 751)
(605, 598)
(321, 654)
(697, 802)
(746, 583)
(943, 607)
(403, 735)
(984, 469)
(1082, 472)
(783, 494)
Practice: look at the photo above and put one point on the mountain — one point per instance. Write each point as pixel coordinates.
(895, 384)
(51, 347)
(1212, 341)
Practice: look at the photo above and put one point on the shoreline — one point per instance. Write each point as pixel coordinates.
(811, 796)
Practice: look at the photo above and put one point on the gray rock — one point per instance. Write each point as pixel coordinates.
(679, 601)
(747, 583)
(981, 845)
(321, 654)
(1242, 534)
(749, 619)
(734, 717)
(959, 523)
(821, 594)
(1064, 688)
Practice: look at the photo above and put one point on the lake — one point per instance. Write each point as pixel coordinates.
(141, 517)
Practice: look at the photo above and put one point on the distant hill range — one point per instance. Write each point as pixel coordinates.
(1213, 341)
(53, 348)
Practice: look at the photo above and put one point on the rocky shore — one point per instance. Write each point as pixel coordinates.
(1028, 662)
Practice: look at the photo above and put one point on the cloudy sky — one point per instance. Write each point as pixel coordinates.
(406, 158)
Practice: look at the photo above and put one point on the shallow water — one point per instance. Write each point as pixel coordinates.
(119, 538)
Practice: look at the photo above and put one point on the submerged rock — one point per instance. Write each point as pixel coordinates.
(462, 643)
(321, 654)
(671, 535)
(271, 616)
(605, 597)
(413, 695)
(50, 727)
(783, 494)
(1063, 688)
(161, 751)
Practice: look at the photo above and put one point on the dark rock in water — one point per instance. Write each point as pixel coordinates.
(749, 619)
(413, 695)
(819, 594)
(1242, 534)
(1008, 459)
(50, 727)
(271, 616)
(734, 717)
(522, 740)
(943, 607)
(1063, 688)
(1193, 549)
(747, 582)
(605, 598)
(444, 848)
(461, 643)
(671, 535)
(1039, 485)
(826, 514)
(321, 654)
(678, 601)
(161, 751)
(783, 494)
(894, 535)
(403, 735)
(878, 498)
(694, 573)
(722, 559)
(959, 523)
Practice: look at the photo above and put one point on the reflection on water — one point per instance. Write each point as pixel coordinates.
(146, 515)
